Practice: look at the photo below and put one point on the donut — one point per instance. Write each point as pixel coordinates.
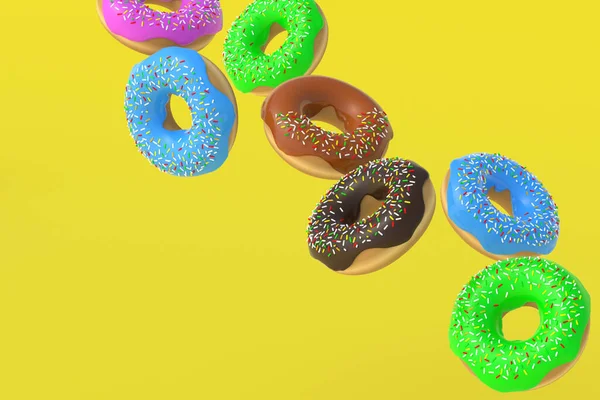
(532, 227)
(253, 71)
(183, 72)
(287, 114)
(191, 24)
(476, 324)
(371, 216)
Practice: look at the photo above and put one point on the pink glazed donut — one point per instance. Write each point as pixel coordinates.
(191, 23)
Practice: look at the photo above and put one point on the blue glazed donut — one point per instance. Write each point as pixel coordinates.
(533, 227)
(183, 72)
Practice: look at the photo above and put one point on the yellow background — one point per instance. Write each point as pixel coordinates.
(120, 282)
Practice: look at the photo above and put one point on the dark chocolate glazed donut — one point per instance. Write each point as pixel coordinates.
(336, 238)
(287, 112)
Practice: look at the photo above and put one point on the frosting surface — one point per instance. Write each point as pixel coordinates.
(134, 20)
(178, 71)
(534, 226)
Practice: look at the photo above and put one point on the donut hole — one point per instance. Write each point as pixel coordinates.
(501, 200)
(369, 204)
(179, 116)
(277, 37)
(325, 117)
(521, 323)
(163, 6)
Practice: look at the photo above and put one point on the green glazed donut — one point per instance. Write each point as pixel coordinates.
(510, 366)
(245, 62)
